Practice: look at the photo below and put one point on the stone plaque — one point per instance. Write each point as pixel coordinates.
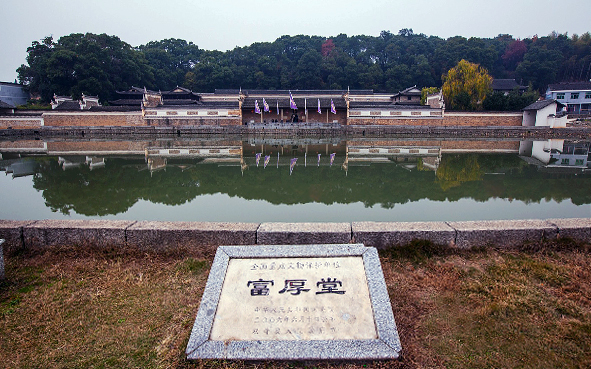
(295, 302)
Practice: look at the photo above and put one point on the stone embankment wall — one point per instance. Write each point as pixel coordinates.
(206, 236)
(183, 122)
(454, 119)
(93, 119)
(134, 119)
(21, 122)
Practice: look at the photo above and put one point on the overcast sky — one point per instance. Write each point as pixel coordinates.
(225, 24)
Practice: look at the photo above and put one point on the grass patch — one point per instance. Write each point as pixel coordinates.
(454, 309)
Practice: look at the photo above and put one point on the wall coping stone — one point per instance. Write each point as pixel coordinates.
(158, 235)
(303, 233)
(383, 234)
(12, 232)
(502, 232)
(579, 229)
(161, 235)
(80, 232)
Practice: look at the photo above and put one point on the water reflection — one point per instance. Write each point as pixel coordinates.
(106, 178)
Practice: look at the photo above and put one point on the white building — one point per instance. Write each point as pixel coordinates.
(544, 113)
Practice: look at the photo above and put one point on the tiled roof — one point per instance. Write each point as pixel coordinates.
(385, 105)
(505, 85)
(293, 92)
(540, 104)
(115, 108)
(126, 102)
(408, 92)
(166, 101)
(570, 86)
(4, 105)
(68, 105)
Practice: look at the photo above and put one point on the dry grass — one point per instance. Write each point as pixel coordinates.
(114, 308)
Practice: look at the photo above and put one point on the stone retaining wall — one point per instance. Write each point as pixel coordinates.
(52, 119)
(167, 236)
(348, 132)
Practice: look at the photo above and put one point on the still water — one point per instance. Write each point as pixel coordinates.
(290, 180)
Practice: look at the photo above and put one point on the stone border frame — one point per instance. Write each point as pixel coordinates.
(386, 346)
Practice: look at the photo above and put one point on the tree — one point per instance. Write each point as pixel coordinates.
(83, 63)
(466, 85)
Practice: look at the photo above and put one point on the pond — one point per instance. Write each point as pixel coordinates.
(295, 180)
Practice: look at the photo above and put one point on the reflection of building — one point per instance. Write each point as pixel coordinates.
(158, 158)
(19, 167)
(557, 153)
(573, 154)
(407, 156)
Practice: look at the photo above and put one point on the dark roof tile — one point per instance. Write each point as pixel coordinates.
(540, 104)
(570, 86)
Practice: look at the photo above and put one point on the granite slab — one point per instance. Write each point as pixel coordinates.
(275, 233)
(92, 233)
(171, 235)
(307, 321)
(502, 233)
(12, 232)
(578, 229)
(384, 234)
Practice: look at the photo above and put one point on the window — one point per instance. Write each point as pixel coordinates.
(564, 161)
(560, 96)
(574, 95)
(579, 162)
(587, 95)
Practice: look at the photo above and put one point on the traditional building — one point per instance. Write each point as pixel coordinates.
(506, 86)
(317, 106)
(544, 113)
(13, 94)
(575, 95)
(408, 96)
(181, 106)
(67, 103)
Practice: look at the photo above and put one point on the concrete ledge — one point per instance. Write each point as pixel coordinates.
(578, 229)
(97, 233)
(383, 234)
(12, 232)
(303, 233)
(171, 235)
(502, 232)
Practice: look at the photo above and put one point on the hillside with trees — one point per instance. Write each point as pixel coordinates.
(101, 64)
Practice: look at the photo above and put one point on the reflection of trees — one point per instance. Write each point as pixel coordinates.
(121, 183)
(456, 169)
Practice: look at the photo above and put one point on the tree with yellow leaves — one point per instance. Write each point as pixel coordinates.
(465, 86)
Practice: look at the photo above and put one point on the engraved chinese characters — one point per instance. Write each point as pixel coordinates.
(294, 298)
(295, 286)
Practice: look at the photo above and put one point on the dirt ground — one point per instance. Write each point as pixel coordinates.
(75, 308)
